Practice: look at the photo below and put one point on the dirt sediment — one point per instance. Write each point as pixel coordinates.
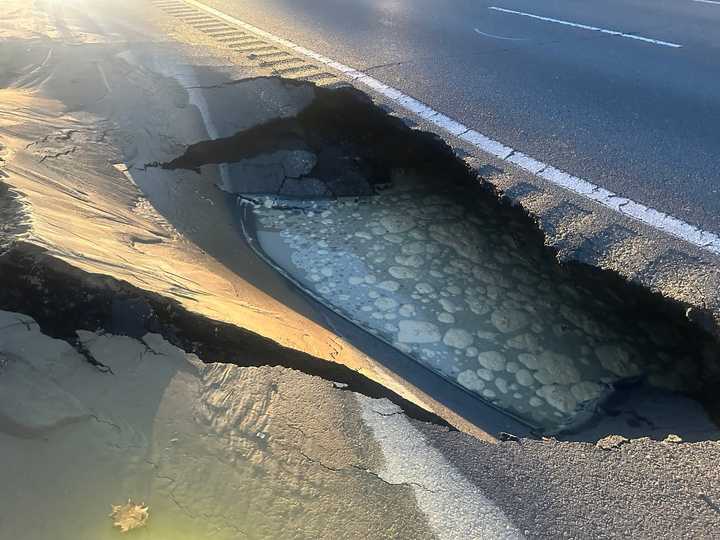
(63, 299)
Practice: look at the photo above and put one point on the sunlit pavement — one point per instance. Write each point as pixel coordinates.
(94, 95)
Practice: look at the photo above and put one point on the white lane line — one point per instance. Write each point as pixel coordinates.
(707, 1)
(586, 27)
(498, 37)
(658, 220)
(454, 507)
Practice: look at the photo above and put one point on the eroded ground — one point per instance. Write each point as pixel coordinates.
(213, 450)
(147, 352)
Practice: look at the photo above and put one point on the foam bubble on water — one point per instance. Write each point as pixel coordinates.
(450, 306)
(530, 361)
(413, 261)
(388, 285)
(458, 338)
(418, 332)
(385, 304)
(524, 377)
(402, 272)
(616, 360)
(460, 286)
(509, 320)
(424, 288)
(485, 374)
(453, 290)
(556, 368)
(559, 397)
(524, 342)
(397, 223)
(413, 248)
(470, 380)
(492, 360)
(587, 391)
(486, 336)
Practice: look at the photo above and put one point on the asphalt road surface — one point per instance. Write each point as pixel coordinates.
(624, 94)
(92, 91)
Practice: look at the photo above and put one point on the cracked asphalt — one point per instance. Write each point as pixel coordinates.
(633, 117)
(643, 489)
(627, 115)
(213, 450)
(220, 450)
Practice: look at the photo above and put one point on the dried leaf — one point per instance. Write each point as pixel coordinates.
(127, 517)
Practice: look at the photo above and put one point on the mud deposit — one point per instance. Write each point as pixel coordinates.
(437, 266)
(13, 220)
(62, 299)
(211, 450)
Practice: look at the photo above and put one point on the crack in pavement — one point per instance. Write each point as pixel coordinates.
(354, 467)
(85, 352)
(183, 508)
(59, 154)
(105, 421)
(714, 506)
(409, 484)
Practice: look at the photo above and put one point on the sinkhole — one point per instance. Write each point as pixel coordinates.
(386, 226)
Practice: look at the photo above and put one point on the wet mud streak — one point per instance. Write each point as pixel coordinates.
(13, 220)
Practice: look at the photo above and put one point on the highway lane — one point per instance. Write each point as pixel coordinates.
(636, 117)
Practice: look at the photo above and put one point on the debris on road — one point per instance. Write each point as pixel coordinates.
(611, 442)
(129, 516)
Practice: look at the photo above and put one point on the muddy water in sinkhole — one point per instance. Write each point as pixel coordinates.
(454, 288)
(443, 271)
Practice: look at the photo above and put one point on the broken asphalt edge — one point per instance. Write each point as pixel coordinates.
(63, 299)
